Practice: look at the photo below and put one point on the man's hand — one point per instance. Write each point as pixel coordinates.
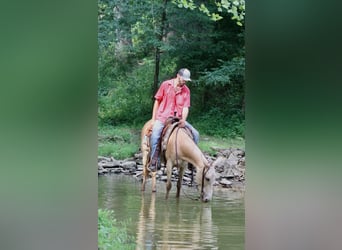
(150, 127)
(181, 123)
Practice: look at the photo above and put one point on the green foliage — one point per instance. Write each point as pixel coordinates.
(211, 144)
(236, 8)
(123, 142)
(119, 142)
(129, 100)
(111, 233)
(130, 33)
(219, 100)
(227, 74)
(219, 123)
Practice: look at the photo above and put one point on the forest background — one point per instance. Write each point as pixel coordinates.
(142, 43)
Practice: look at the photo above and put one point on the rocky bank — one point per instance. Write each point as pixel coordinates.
(229, 165)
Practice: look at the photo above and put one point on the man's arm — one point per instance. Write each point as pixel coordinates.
(185, 113)
(154, 113)
(155, 109)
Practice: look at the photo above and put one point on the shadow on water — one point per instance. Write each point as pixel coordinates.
(175, 223)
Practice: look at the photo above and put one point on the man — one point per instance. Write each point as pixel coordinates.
(171, 99)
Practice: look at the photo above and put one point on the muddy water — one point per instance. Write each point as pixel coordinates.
(183, 223)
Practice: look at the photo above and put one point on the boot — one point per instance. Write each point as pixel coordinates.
(152, 167)
(190, 167)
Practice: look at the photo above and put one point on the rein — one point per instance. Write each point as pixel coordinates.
(186, 195)
(176, 147)
(203, 174)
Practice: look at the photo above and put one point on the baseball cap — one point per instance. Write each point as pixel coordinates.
(185, 74)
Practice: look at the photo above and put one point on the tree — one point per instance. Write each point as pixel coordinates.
(143, 42)
(234, 7)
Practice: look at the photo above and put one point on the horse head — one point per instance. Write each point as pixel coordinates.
(206, 184)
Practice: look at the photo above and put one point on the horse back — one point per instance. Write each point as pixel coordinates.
(146, 130)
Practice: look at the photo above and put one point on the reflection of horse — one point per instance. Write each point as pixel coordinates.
(185, 229)
(207, 234)
(146, 224)
(180, 149)
(175, 226)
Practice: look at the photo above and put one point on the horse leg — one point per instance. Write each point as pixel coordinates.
(180, 180)
(154, 188)
(144, 178)
(168, 182)
(145, 159)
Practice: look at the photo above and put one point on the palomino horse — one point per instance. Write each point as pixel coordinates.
(146, 153)
(180, 150)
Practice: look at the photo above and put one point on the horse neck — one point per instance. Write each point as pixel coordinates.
(191, 152)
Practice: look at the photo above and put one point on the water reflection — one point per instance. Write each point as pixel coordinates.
(146, 223)
(181, 223)
(176, 227)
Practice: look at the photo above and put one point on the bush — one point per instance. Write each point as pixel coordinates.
(111, 233)
(129, 99)
(220, 123)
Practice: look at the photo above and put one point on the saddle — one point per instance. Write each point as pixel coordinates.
(170, 125)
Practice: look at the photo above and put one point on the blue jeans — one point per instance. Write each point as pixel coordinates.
(157, 130)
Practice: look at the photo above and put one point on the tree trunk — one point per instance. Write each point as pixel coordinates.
(160, 37)
(156, 72)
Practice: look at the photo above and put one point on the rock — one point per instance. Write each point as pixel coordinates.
(116, 170)
(239, 153)
(219, 164)
(226, 153)
(129, 159)
(228, 163)
(109, 164)
(102, 171)
(163, 178)
(102, 158)
(126, 172)
(129, 165)
(139, 161)
(138, 155)
(242, 162)
(228, 173)
(140, 167)
(138, 174)
(232, 160)
(225, 183)
(186, 179)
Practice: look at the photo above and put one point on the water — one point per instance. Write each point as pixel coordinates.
(182, 223)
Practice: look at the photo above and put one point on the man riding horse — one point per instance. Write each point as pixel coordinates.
(171, 100)
(178, 148)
